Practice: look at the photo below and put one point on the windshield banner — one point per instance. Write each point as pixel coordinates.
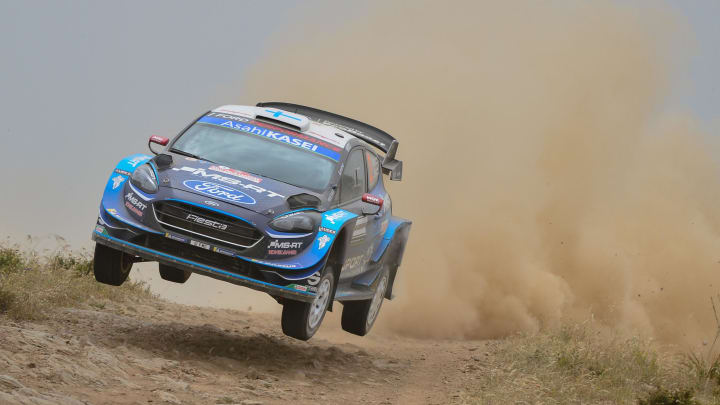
(298, 140)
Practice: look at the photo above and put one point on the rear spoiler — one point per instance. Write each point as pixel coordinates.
(368, 133)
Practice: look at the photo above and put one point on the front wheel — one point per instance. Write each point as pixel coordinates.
(111, 266)
(358, 317)
(302, 319)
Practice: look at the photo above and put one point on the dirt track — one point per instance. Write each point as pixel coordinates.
(159, 352)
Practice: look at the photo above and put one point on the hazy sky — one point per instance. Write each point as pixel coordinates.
(85, 83)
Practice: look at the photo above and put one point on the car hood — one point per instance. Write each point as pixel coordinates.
(208, 180)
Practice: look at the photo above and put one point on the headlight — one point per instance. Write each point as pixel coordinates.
(144, 179)
(297, 222)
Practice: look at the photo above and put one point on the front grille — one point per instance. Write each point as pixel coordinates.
(192, 220)
(195, 254)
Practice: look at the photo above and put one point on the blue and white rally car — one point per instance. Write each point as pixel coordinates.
(280, 198)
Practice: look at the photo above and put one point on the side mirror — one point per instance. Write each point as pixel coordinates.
(374, 200)
(160, 140)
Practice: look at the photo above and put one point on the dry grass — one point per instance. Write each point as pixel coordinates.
(31, 286)
(576, 364)
(583, 364)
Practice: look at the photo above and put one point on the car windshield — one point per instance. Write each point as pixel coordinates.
(257, 154)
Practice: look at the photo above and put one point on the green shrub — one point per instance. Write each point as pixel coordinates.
(10, 259)
(77, 262)
(33, 285)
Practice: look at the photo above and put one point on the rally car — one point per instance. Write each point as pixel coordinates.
(278, 197)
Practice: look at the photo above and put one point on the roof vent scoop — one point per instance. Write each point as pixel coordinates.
(283, 117)
(368, 133)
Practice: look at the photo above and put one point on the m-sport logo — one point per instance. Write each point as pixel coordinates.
(219, 191)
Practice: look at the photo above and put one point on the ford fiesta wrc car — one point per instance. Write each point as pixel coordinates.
(278, 197)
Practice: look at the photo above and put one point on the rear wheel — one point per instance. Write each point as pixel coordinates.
(358, 317)
(302, 319)
(111, 266)
(173, 274)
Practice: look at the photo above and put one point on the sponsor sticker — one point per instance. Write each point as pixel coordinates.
(228, 180)
(212, 203)
(296, 139)
(333, 217)
(284, 266)
(281, 252)
(117, 181)
(357, 262)
(137, 160)
(223, 251)
(299, 287)
(123, 172)
(359, 231)
(134, 204)
(292, 214)
(219, 191)
(358, 235)
(327, 230)
(322, 241)
(237, 173)
(276, 244)
(176, 237)
(280, 113)
(200, 244)
(314, 279)
(100, 229)
(313, 137)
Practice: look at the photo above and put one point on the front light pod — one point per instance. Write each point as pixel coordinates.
(296, 222)
(145, 179)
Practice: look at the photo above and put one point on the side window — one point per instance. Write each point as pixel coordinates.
(373, 169)
(352, 181)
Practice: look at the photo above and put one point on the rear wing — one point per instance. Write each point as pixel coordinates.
(368, 133)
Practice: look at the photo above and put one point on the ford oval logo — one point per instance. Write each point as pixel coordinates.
(219, 191)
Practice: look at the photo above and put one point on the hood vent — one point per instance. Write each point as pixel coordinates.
(280, 117)
(303, 200)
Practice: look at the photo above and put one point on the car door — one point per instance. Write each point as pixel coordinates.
(377, 217)
(353, 184)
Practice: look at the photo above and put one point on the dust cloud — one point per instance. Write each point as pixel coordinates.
(544, 175)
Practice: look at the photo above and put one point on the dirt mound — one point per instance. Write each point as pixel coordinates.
(156, 351)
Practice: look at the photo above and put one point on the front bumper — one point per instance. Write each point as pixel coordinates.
(100, 236)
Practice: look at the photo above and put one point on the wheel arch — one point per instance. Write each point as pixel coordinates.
(392, 258)
(336, 258)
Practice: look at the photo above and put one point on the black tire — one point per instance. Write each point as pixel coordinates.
(358, 317)
(173, 274)
(111, 266)
(301, 320)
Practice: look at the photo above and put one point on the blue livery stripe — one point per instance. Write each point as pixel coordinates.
(212, 269)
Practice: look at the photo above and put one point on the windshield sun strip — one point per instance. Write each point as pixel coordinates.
(293, 140)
